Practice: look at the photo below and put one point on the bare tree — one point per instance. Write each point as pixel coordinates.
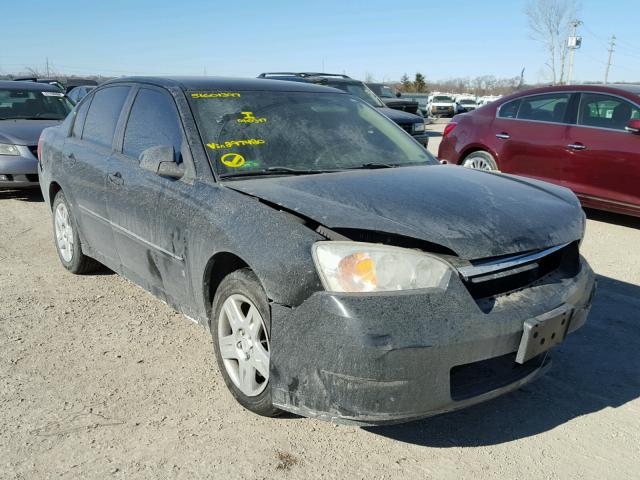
(549, 25)
(407, 86)
(368, 77)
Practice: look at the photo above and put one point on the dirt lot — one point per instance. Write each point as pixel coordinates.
(100, 380)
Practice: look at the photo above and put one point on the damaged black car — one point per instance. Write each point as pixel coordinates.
(343, 272)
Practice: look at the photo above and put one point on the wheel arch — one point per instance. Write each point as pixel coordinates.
(217, 268)
(476, 148)
(54, 188)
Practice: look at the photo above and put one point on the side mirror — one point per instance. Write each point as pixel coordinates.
(633, 126)
(398, 94)
(161, 160)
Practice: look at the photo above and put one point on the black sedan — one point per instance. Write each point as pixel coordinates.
(344, 275)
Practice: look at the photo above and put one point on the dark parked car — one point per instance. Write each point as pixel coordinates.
(335, 280)
(26, 108)
(78, 92)
(394, 99)
(586, 138)
(73, 83)
(411, 123)
(49, 81)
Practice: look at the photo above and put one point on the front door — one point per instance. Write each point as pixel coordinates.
(605, 167)
(149, 221)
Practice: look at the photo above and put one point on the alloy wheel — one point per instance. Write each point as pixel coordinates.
(244, 344)
(64, 232)
(479, 163)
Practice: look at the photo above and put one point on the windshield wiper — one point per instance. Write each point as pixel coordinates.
(372, 166)
(275, 170)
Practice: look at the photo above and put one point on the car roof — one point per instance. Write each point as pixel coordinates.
(598, 87)
(23, 85)
(226, 84)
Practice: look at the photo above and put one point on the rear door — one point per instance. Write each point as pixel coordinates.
(530, 135)
(604, 157)
(148, 212)
(86, 158)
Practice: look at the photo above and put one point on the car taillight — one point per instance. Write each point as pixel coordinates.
(39, 150)
(449, 128)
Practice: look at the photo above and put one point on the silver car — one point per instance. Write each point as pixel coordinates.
(26, 108)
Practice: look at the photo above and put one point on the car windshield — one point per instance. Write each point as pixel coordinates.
(360, 90)
(33, 104)
(442, 99)
(467, 101)
(386, 92)
(264, 132)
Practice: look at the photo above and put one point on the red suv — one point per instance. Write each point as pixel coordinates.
(586, 138)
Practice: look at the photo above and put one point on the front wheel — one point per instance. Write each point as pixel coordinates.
(240, 326)
(67, 240)
(480, 160)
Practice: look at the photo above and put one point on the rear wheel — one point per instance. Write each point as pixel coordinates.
(480, 160)
(240, 326)
(67, 240)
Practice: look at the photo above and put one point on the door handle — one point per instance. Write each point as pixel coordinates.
(503, 136)
(116, 178)
(576, 146)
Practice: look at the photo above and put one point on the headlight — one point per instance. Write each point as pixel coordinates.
(6, 149)
(418, 127)
(367, 267)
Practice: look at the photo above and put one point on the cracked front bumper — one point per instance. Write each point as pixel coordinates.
(394, 357)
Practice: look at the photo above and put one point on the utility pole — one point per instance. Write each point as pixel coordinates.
(573, 43)
(612, 44)
(47, 67)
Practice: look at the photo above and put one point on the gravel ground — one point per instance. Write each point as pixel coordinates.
(98, 379)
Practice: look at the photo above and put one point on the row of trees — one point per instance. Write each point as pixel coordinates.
(480, 86)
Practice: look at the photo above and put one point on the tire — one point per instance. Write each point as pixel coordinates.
(480, 160)
(241, 327)
(67, 240)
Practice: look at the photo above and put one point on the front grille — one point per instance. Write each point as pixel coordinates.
(473, 379)
(487, 279)
(407, 127)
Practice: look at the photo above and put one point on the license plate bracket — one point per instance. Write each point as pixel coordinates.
(542, 333)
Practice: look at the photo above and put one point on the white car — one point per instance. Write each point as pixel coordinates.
(441, 106)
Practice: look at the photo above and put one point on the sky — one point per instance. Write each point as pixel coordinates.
(385, 39)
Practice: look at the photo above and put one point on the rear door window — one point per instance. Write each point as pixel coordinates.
(550, 107)
(153, 121)
(103, 114)
(606, 111)
(81, 115)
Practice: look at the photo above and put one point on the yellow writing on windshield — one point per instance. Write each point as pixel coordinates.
(235, 143)
(233, 160)
(247, 117)
(215, 95)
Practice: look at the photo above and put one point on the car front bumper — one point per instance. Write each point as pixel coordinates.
(442, 111)
(394, 357)
(19, 171)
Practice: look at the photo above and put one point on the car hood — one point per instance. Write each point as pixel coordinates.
(475, 214)
(23, 132)
(399, 115)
